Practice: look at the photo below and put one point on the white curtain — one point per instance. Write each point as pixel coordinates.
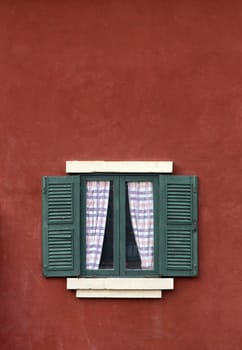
(142, 217)
(96, 216)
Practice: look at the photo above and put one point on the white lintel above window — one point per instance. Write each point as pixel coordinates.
(75, 166)
(119, 287)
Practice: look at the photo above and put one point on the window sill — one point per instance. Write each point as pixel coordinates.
(119, 287)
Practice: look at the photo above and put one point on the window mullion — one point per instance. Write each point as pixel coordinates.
(122, 223)
(116, 220)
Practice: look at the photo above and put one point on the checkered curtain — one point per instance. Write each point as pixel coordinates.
(142, 217)
(96, 216)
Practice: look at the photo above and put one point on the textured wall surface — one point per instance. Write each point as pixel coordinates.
(121, 80)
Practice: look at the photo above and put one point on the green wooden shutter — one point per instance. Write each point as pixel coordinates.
(61, 226)
(178, 225)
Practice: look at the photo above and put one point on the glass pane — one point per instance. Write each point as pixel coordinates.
(99, 225)
(132, 254)
(139, 226)
(107, 251)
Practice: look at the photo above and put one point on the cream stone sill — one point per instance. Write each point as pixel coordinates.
(119, 166)
(119, 287)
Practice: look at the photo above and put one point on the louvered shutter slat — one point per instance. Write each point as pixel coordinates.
(178, 225)
(61, 226)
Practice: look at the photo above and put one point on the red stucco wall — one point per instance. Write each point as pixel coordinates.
(121, 80)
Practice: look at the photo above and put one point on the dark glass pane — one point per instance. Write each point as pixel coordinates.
(132, 254)
(106, 261)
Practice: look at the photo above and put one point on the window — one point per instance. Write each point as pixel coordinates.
(106, 225)
(119, 225)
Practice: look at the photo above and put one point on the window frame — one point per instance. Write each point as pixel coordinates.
(119, 220)
(103, 272)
